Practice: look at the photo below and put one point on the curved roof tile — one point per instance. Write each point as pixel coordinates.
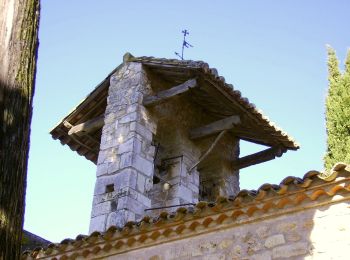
(291, 191)
(86, 147)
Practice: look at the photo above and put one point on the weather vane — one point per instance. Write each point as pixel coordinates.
(184, 44)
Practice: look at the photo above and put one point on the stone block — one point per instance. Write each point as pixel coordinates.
(102, 169)
(308, 224)
(111, 143)
(274, 240)
(214, 257)
(132, 108)
(172, 202)
(101, 157)
(144, 200)
(195, 178)
(156, 257)
(184, 193)
(126, 178)
(141, 130)
(97, 223)
(287, 251)
(110, 118)
(126, 160)
(288, 226)
(101, 209)
(193, 188)
(147, 149)
(141, 183)
(101, 183)
(132, 126)
(208, 248)
(114, 79)
(126, 146)
(111, 219)
(121, 132)
(98, 199)
(107, 129)
(262, 231)
(132, 193)
(113, 167)
(262, 256)
(121, 179)
(120, 218)
(143, 165)
(132, 205)
(226, 243)
(149, 184)
(137, 146)
(293, 236)
(129, 118)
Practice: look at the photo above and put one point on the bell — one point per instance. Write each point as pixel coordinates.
(166, 186)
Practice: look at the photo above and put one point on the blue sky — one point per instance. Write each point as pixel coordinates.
(272, 51)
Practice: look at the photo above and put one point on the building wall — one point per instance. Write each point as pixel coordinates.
(321, 233)
(138, 141)
(177, 153)
(125, 162)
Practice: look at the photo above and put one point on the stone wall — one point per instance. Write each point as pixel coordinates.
(138, 143)
(125, 163)
(310, 234)
(176, 153)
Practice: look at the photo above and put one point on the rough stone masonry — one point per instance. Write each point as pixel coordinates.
(138, 144)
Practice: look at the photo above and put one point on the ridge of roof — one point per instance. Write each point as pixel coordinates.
(292, 191)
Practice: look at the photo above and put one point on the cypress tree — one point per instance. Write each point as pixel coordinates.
(337, 111)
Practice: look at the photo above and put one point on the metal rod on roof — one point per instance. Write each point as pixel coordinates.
(178, 205)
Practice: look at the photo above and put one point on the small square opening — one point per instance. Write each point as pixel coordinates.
(110, 188)
(114, 206)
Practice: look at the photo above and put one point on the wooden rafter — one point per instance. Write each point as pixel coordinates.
(87, 126)
(169, 93)
(259, 157)
(215, 127)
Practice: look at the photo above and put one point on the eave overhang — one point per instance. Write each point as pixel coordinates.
(214, 95)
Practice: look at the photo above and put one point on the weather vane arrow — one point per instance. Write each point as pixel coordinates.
(184, 44)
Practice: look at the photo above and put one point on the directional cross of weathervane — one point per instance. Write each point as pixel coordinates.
(184, 44)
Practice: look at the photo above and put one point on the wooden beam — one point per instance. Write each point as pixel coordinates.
(87, 126)
(259, 157)
(169, 93)
(217, 139)
(215, 127)
(234, 104)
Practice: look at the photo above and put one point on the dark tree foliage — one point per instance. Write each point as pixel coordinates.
(337, 111)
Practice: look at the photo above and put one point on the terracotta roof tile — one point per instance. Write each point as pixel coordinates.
(291, 192)
(213, 73)
(96, 100)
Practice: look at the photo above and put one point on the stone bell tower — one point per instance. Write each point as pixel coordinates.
(125, 162)
(164, 134)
